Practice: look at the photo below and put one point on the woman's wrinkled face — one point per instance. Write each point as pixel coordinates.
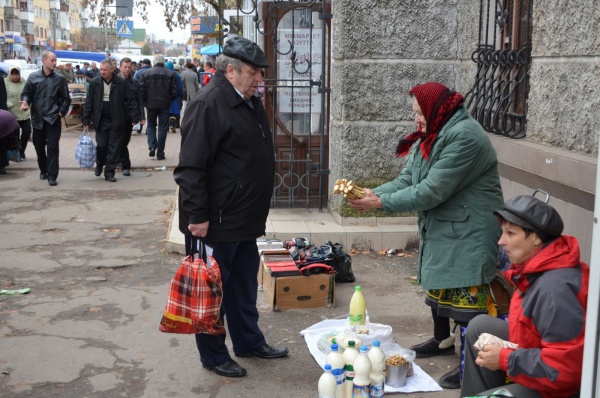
(519, 247)
(419, 118)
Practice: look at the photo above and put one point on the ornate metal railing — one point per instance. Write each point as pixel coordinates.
(498, 99)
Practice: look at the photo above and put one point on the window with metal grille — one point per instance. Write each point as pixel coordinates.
(498, 98)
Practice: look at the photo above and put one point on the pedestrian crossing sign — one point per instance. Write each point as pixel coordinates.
(124, 28)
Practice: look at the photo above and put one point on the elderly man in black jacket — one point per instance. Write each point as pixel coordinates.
(225, 174)
(159, 88)
(48, 94)
(109, 105)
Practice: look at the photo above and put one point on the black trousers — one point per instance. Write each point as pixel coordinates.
(4, 147)
(107, 144)
(45, 141)
(123, 150)
(239, 262)
(25, 134)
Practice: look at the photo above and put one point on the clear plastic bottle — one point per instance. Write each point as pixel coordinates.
(336, 360)
(362, 379)
(350, 355)
(377, 358)
(358, 308)
(327, 385)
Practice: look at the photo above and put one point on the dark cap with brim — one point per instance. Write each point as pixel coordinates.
(246, 51)
(533, 214)
(146, 61)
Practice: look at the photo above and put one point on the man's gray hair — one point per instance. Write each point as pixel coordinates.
(159, 59)
(223, 60)
(106, 61)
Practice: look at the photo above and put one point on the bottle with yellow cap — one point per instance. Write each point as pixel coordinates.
(358, 308)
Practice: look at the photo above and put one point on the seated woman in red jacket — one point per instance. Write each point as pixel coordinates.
(547, 311)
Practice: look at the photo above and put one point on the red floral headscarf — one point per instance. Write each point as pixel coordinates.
(438, 104)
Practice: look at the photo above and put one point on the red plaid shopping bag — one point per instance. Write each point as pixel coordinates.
(194, 302)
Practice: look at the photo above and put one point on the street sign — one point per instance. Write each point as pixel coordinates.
(124, 28)
(124, 8)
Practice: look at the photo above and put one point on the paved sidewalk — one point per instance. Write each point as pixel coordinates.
(138, 151)
(283, 223)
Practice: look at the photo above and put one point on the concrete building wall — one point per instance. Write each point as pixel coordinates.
(381, 48)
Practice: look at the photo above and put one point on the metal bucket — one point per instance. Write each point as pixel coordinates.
(395, 376)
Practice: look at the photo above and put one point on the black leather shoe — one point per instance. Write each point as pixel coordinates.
(98, 171)
(267, 352)
(160, 157)
(110, 178)
(227, 369)
(126, 173)
(451, 380)
(43, 176)
(432, 348)
(152, 152)
(52, 182)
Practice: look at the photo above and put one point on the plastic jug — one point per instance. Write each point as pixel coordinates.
(362, 375)
(327, 385)
(350, 355)
(377, 365)
(358, 308)
(338, 364)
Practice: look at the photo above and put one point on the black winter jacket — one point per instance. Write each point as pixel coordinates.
(159, 87)
(226, 165)
(48, 96)
(136, 95)
(123, 106)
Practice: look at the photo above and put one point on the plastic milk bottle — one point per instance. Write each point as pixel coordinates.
(362, 375)
(336, 360)
(327, 384)
(350, 355)
(377, 365)
(358, 308)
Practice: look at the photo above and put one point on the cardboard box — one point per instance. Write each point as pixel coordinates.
(286, 292)
(268, 246)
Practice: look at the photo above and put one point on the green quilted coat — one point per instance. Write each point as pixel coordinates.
(454, 194)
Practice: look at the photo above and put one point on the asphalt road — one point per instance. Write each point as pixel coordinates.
(93, 255)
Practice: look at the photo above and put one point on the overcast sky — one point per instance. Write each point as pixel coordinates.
(157, 25)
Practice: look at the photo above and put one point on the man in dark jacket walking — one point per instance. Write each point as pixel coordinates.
(126, 73)
(48, 94)
(109, 105)
(159, 88)
(225, 174)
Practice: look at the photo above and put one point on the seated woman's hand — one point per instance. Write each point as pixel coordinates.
(489, 357)
(370, 201)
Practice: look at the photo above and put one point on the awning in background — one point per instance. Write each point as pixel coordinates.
(213, 49)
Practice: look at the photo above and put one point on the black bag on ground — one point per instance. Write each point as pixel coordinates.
(341, 262)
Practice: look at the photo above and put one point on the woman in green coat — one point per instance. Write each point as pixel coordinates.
(451, 181)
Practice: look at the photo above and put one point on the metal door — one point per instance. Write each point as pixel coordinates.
(296, 40)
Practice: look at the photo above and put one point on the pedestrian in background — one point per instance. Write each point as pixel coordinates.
(451, 180)
(126, 68)
(109, 105)
(190, 81)
(209, 71)
(175, 109)
(145, 65)
(8, 128)
(226, 143)
(48, 95)
(93, 72)
(159, 88)
(14, 88)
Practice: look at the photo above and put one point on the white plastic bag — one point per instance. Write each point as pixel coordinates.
(85, 151)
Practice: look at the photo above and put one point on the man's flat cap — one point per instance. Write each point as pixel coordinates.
(146, 61)
(531, 213)
(246, 51)
(86, 63)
